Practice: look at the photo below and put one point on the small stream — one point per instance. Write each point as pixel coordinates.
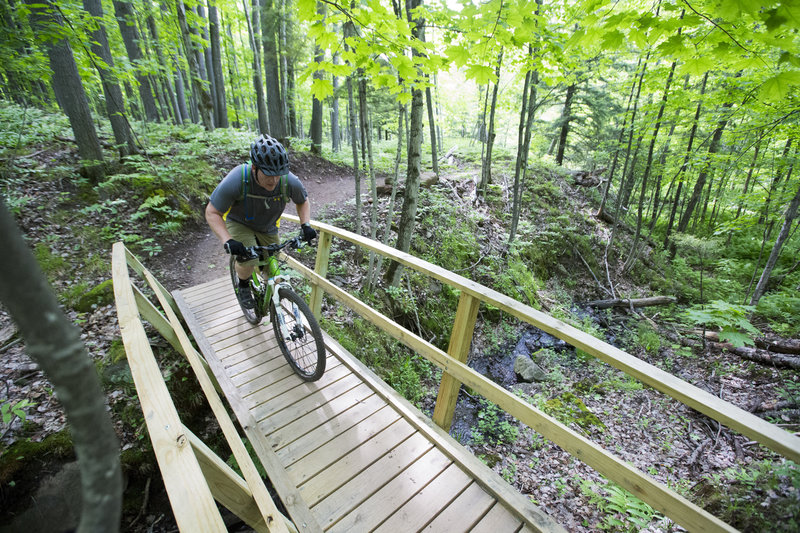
(499, 367)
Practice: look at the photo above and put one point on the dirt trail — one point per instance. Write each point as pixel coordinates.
(196, 255)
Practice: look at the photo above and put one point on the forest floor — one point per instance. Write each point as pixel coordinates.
(673, 443)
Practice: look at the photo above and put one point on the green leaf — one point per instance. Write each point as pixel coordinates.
(482, 74)
(613, 39)
(321, 89)
(735, 338)
(673, 46)
(697, 66)
(458, 54)
(787, 57)
(778, 87)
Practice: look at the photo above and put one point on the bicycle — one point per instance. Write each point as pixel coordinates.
(297, 331)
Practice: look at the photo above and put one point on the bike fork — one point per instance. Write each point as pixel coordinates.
(281, 319)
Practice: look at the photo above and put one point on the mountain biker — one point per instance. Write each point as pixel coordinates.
(245, 208)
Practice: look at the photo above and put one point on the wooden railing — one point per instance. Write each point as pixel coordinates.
(456, 372)
(194, 476)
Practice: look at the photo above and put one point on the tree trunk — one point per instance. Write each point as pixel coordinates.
(566, 116)
(701, 178)
(335, 140)
(233, 75)
(486, 168)
(373, 189)
(261, 106)
(692, 135)
(115, 105)
(351, 107)
(648, 167)
(208, 67)
(432, 127)
(68, 89)
(204, 104)
(524, 142)
(288, 103)
(788, 218)
(54, 343)
(270, 32)
(130, 36)
(316, 104)
(180, 92)
(405, 229)
(220, 105)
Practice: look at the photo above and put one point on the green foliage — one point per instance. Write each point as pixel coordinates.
(730, 318)
(624, 511)
(51, 264)
(782, 310)
(648, 338)
(494, 426)
(737, 495)
(12, 410)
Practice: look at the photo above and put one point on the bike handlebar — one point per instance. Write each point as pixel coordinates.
(257, 252)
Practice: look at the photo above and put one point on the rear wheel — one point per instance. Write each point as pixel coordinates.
(254, 315)
(303, 347)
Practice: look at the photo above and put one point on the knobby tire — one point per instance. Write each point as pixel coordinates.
(254, 315)
(305, 351)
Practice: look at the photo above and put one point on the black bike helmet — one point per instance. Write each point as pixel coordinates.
(269, 156)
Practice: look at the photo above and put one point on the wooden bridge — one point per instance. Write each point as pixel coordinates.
(347, 453)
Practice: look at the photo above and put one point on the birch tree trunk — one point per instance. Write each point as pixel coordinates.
(54, 343)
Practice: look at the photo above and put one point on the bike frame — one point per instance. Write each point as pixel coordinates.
(273, 282)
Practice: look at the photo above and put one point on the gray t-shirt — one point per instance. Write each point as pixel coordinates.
(262, 208)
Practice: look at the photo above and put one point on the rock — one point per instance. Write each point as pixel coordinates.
(100, 295)
(426, 179)
(528, 371)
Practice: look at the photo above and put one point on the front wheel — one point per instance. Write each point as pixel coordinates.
(303, 346)
(254, 315)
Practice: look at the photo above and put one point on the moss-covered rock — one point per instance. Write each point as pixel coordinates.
(100, 295)
(569, 408)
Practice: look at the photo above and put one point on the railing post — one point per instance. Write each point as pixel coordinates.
(460, 341)
(321, 268)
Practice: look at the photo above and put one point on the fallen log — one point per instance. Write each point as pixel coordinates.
(632, 302)
(791, 346)
(785, 346)
(764, 356)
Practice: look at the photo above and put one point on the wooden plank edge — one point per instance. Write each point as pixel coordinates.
(189, 495)
(519, 505)
(228, 487)
(299, 512)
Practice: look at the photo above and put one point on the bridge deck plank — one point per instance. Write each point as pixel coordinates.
(346, 448)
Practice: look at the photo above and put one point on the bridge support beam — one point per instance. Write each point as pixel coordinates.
(321, 268)
(460, 341)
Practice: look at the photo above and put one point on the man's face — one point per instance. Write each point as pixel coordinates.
(268, 182)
